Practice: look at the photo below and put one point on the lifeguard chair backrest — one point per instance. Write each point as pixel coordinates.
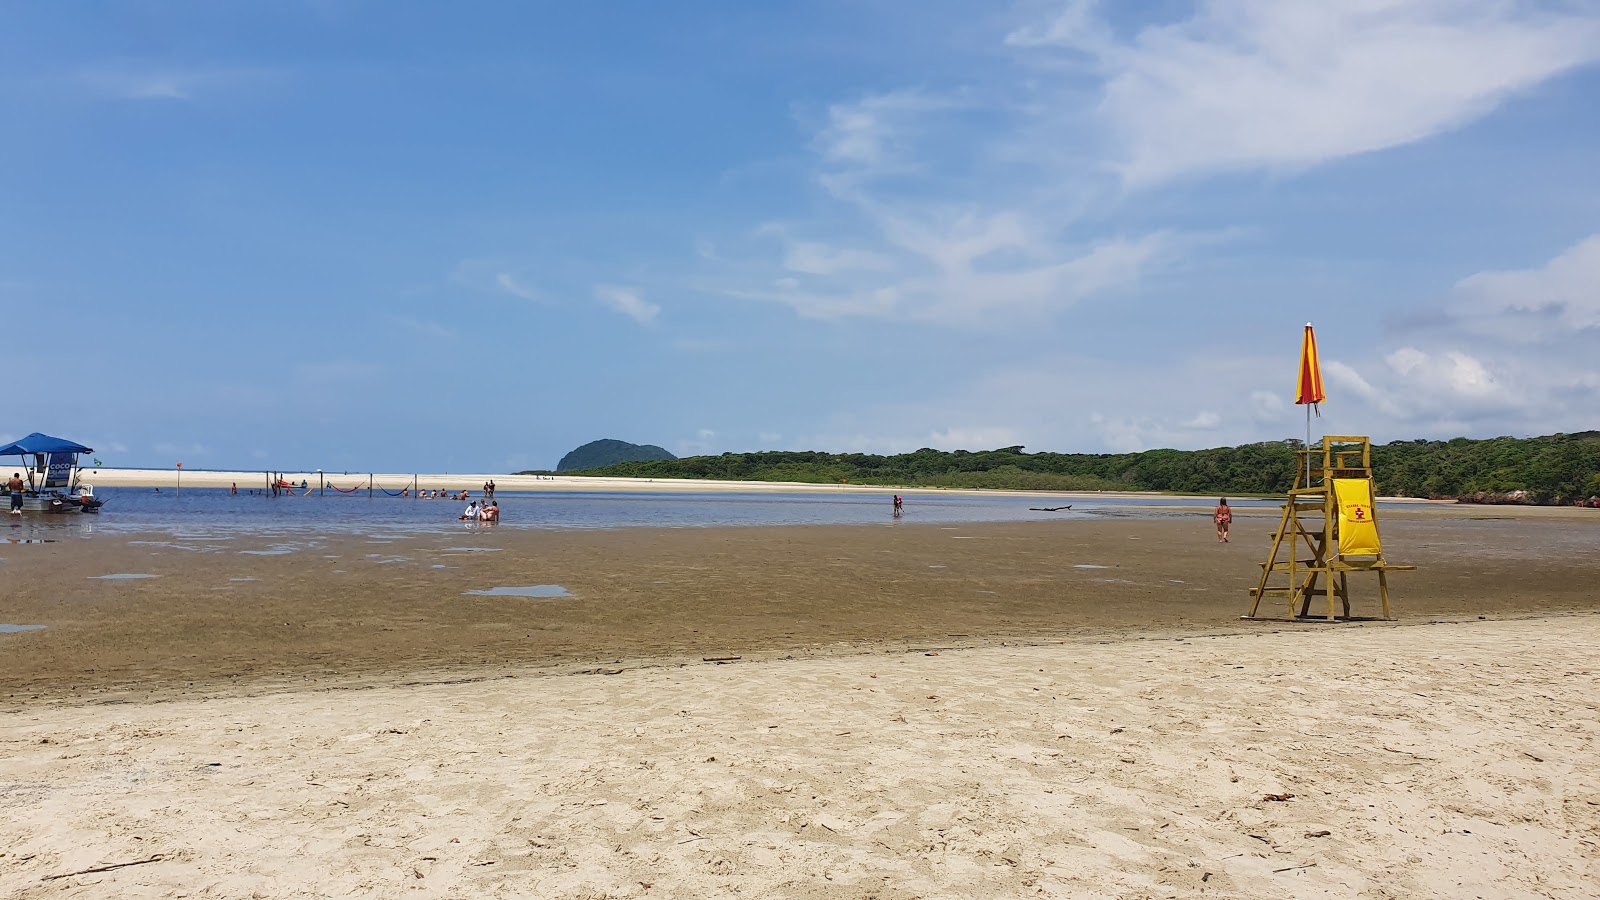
(1358, 521)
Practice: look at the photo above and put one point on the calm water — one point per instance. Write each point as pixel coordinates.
(202, 511)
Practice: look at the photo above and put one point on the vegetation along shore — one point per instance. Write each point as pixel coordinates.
(1554, 469)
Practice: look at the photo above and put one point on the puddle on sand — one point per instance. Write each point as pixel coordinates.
(266, 552)
(241, 579)
(30, 540)
(936, 567)
(471, 550)
(173, 545)
(534, 590)
(121, 576)
(12, 629)
(1088, 566)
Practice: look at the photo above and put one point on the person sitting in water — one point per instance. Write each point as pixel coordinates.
(472, 511)
(489, 512)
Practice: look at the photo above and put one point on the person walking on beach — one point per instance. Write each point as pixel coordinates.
(1224, 517)
(16, 487)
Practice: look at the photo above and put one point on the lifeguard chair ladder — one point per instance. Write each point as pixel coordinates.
(1306, 547)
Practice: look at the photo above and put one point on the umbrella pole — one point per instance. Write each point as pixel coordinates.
(1308, 445)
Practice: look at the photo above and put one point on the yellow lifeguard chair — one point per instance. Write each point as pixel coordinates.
(1331, 518)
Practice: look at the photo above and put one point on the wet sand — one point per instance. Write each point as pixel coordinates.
(220, 619)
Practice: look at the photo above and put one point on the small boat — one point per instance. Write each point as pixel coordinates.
(52, 484)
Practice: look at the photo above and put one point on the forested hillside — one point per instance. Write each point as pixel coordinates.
(1556, 468)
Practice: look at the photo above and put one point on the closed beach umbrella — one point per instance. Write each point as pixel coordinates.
(1310, 371)
(1310, 392)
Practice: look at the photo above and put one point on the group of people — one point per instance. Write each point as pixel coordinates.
(437, 495)
(488, 511)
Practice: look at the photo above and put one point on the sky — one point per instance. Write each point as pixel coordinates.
(469, 237)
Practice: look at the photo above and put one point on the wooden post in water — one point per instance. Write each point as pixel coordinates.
(369, 485)
(321, 482)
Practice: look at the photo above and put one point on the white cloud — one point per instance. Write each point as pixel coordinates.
(1346, 378)
(871, 133)
(1288, 84)
(972, 272)
(1553, 301)
(1451, 376)
(974, 438)
(1267, 408)
(1205, 420)
(508, 283)
(814, 258)
(628, 302)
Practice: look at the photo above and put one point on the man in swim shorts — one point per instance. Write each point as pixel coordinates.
(16, 487)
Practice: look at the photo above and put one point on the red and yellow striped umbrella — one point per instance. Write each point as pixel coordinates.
(1310, 371)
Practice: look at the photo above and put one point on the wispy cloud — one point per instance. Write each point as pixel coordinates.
(424, 328)
(508, 283)
(1288, 84)
(628, 302)
(134, 82)
(876, 132)
(969, 272)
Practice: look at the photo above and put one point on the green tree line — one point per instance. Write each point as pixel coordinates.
(1556, 468)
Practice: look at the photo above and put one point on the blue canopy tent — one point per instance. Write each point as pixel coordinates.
(53, 462)
(42, 443)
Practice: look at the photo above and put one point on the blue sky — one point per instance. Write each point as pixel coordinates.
(469, 237)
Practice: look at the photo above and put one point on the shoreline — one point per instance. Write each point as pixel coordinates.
(473, 482)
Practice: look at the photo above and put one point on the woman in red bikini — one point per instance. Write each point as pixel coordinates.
(1224, 517)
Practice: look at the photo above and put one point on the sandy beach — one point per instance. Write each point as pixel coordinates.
(1051, 708)
(1448, 760)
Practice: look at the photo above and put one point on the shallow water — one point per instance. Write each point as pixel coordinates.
(13, 629)
(200, 517)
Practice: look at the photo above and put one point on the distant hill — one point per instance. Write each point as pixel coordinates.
(597, 454)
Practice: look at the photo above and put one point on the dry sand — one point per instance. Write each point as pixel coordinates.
(1453, 760)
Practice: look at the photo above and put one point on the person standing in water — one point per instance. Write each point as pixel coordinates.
(899, 505)
(1223, 515)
